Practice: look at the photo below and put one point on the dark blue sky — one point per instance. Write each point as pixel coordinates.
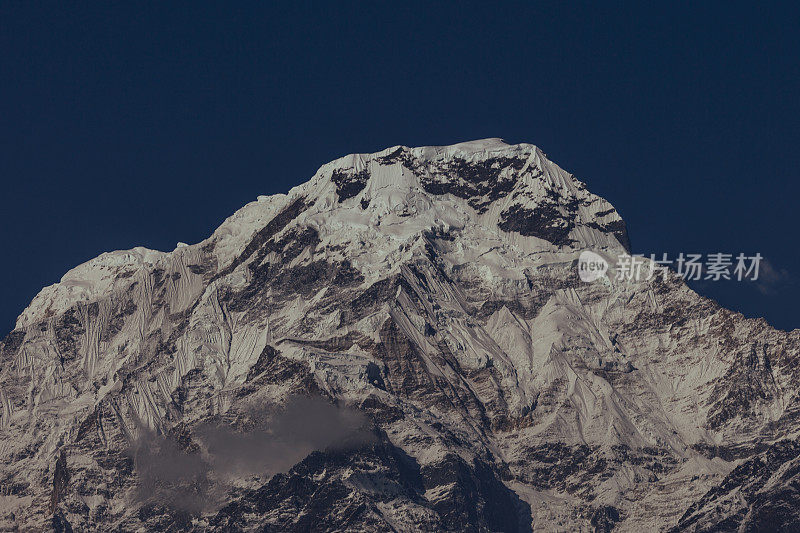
(125, 125)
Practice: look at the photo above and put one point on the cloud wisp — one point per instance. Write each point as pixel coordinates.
(191, 472)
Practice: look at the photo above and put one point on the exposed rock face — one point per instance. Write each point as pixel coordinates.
(432, 294)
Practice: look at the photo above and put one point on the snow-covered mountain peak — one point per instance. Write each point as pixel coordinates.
(480, 194)
(434, 291)
(511, 192)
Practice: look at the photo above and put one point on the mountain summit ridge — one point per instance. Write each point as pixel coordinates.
(430, 295)
(86, 281)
